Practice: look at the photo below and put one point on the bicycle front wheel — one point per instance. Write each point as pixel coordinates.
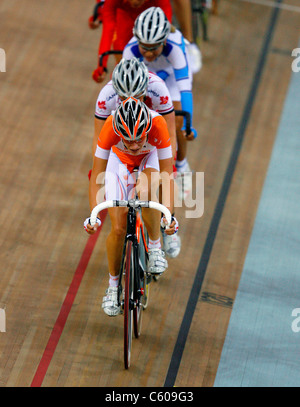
(128, 303)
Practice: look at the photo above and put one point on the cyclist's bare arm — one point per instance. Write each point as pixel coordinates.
(170, 119)
(98, 124)
(97, 182)
(166, 167)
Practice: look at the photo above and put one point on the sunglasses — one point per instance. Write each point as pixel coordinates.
(150, 48)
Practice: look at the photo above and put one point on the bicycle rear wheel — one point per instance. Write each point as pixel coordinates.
(128, 304)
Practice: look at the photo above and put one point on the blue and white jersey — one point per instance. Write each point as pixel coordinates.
(171, 65)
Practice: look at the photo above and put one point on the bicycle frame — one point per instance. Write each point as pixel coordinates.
(133, 235)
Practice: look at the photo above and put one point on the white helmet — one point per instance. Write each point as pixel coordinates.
(130, 78)
(152, 26)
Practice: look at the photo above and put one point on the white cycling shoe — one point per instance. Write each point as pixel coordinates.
(157, 263)
(110, 302)
(172, 244)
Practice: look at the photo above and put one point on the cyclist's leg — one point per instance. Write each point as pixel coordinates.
(123, 33)
(115, 239)
(182, 164)
(148, 186)
(116, 184)
(146, 191)
(183, 12)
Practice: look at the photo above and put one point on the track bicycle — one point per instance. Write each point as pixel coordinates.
(134, 280)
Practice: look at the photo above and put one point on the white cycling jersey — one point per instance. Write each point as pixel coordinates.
(157, 98)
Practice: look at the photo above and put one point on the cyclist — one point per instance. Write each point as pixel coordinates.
(118, 17)
(131, 78)
(162, 48)
(133, 136)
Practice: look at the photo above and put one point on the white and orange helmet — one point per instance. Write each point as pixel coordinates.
(132, 119)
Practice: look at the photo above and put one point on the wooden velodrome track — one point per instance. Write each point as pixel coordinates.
(56, 333)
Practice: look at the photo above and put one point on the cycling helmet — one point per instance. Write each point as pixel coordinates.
(152, 26)
(130, 78)
(132, 119)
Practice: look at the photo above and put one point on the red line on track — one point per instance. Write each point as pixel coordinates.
(66, 308)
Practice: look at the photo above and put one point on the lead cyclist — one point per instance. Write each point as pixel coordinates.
(132, 137)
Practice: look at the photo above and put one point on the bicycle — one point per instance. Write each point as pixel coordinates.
(133, 299)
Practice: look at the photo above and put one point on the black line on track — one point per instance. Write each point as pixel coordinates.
(199, 277)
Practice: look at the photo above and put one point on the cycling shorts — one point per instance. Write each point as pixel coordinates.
(120, 180)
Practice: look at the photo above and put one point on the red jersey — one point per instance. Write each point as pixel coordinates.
(118, 16)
